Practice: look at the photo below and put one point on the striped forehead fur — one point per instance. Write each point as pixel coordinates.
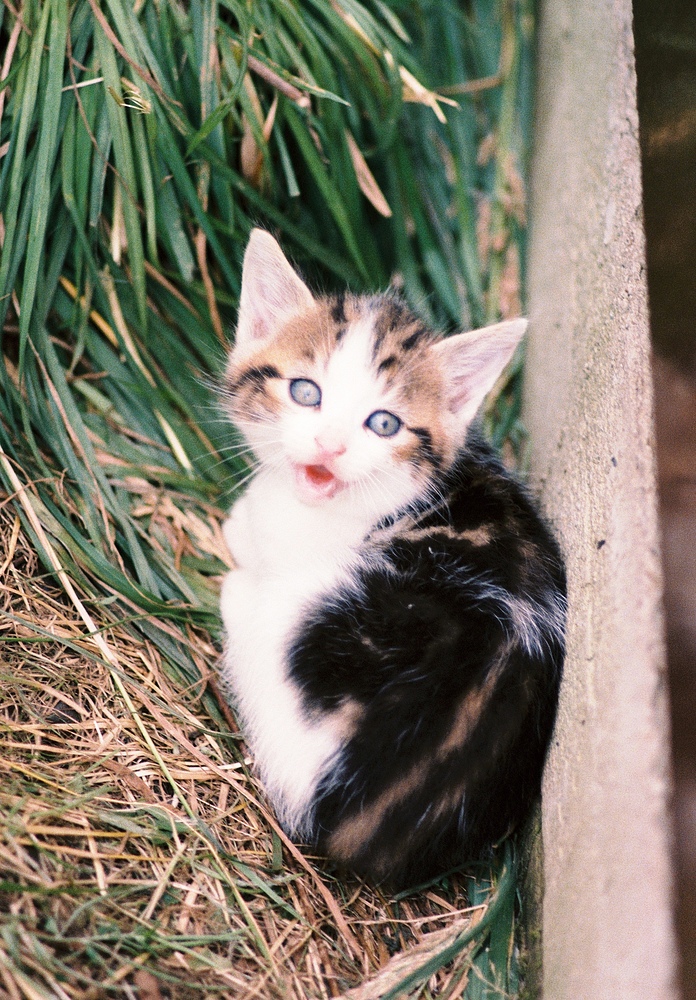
(400, 360)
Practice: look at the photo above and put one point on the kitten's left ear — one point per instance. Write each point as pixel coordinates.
(272, 294)
(471, 363)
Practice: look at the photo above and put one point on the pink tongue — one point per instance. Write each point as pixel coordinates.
(319, 474)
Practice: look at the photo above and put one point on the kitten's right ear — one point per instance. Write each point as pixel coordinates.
(272, 294)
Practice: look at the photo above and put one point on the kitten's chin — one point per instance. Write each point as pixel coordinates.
(316, 483)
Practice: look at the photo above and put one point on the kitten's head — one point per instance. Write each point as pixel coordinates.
(352, 394)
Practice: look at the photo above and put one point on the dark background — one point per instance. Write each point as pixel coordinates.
(665, 35)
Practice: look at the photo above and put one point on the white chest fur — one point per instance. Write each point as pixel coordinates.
(288, 554)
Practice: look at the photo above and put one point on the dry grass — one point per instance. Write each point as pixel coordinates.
(137, 856)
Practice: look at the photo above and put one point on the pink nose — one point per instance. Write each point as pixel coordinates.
(329, 447)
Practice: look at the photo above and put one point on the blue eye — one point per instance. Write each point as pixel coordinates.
(305, 392)
(383, 423)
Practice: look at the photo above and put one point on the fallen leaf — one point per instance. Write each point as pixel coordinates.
(366, 181)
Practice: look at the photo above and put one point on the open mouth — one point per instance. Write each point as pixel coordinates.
(317, 482)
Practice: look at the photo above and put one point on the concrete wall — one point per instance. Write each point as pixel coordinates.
(607, 921)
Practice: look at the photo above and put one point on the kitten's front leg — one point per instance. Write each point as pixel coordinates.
(237, 532)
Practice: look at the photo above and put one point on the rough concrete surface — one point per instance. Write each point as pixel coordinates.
(607, 917)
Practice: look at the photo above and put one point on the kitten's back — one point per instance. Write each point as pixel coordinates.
(449, 655)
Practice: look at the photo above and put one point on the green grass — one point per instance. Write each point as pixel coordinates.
(139, 144)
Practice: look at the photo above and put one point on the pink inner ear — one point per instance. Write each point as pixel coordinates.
(271, 295)
(474, 379)
(472, 362)
(259, 328)
(459, 394)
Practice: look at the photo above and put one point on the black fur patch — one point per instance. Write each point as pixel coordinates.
(338, 310)
(425, 448)
(257, 375)
(453, 653)
(410, 342)
(391, 313)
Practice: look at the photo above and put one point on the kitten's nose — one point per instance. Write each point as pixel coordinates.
(329, 446)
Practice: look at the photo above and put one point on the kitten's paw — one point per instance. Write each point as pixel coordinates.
(237, 533)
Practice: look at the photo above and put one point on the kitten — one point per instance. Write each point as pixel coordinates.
(395, 624)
